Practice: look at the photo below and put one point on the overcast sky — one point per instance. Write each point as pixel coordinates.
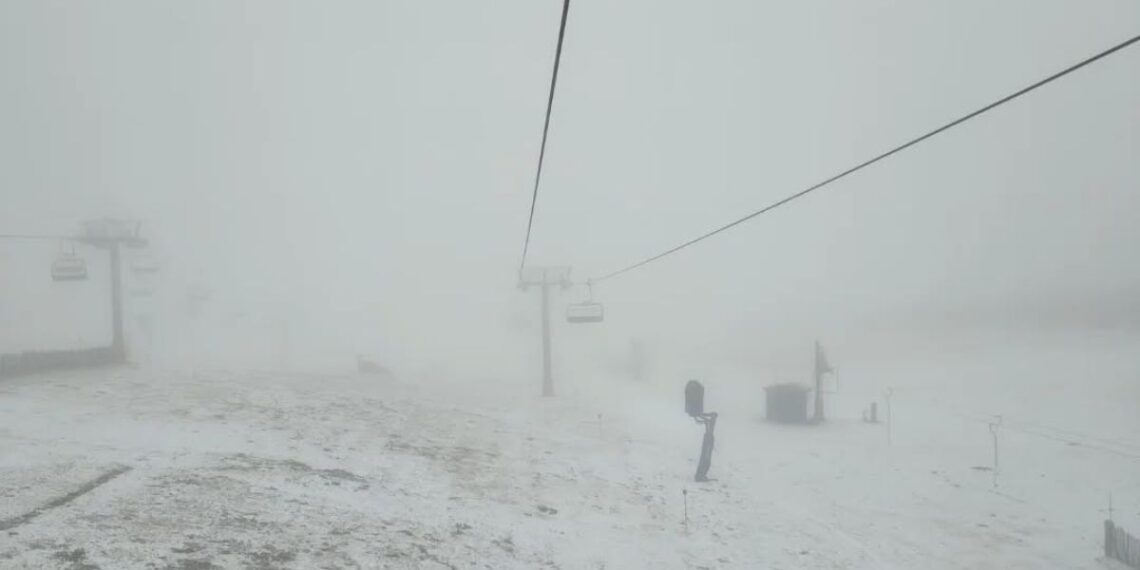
(369, 162)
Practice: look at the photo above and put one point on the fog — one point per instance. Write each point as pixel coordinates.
(319, 182)
(363, 170)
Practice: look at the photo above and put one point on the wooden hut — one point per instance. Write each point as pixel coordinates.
(787, 403)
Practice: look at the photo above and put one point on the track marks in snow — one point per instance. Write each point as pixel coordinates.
(62, 500)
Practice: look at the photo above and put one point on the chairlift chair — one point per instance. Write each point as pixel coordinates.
(68, 267)
(588, 311)
(585, 312)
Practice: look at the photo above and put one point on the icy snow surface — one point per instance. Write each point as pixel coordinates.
(221, 469)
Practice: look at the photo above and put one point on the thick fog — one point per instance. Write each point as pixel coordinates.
(329, 363)
(354, 177)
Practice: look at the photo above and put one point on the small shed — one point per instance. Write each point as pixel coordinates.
(786, 403)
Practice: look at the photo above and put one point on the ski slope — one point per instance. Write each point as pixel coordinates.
(126, 468)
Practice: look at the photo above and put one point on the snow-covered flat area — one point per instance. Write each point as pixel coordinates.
(125, 468)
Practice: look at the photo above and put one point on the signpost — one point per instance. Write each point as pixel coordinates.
(695, 407)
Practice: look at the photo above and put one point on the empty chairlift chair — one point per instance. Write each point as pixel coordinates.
(68, 267)
(587, 312)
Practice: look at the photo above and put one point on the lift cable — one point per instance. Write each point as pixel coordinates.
(867, 163)
(545, 131)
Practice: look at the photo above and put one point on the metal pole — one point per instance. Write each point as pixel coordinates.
(547, 380)
(685, 494)
(118, 344)
(818, 386)
(994, 425)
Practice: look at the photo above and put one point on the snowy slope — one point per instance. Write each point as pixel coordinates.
(260, 470)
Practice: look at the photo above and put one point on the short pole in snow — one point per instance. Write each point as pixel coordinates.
(685, 495)
(994, 426)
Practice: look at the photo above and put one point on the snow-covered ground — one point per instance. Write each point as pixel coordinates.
(125, 468)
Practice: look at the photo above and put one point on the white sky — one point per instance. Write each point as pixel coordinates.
(371, 161)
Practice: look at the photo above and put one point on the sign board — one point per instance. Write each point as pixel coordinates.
(694, 398)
